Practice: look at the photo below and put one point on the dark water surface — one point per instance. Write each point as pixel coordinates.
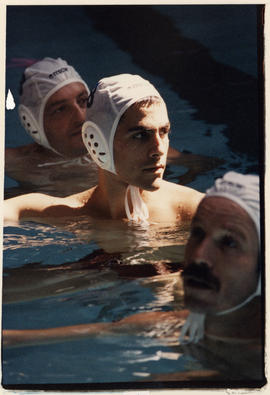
(207, 63)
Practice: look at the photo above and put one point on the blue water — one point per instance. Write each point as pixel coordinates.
(212, 113)
(37, 298)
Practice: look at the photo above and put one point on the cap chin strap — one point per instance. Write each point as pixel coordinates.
(80, 161)
(194, 325)
(140, 212)
(193, 328)
(246, 301)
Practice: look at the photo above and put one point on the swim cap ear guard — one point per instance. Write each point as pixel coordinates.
(32, 127)
(40, 81)
(96, 145)
(243, 189)
(108, 101)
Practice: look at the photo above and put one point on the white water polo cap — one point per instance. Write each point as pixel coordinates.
(41, 81)
(245, 191)
(111, 98)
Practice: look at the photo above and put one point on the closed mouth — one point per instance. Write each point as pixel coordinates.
(200, 283)
(153, 169)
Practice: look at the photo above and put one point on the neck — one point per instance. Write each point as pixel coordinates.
(244, 323)
(46, 152)
(111, 194)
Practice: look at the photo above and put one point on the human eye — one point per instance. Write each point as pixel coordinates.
(58, 110)
(165, 132)
(83, 101)
(228, 241)
(197, 232)
(142, 135)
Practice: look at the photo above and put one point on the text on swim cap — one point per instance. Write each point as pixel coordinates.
(55, 73)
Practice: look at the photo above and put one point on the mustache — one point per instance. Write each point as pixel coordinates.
(200, 273)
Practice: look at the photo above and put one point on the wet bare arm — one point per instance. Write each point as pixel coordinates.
(131, 325)
(33, 205)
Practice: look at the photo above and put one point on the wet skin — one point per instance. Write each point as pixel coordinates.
(64, 115)
(141, 142)
(221, 257)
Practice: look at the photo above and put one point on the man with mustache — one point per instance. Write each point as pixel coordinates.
(127, 135)
(222, 273)
(222, 290)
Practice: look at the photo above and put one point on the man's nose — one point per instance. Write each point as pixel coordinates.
(78, 113)
(203, 252)
(158, 145)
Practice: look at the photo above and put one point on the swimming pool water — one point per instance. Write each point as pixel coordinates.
(35, 296)
(55, 276)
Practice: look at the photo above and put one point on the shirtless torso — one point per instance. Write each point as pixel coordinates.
(178, 204)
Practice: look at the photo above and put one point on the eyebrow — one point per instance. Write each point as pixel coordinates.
(143, 128)
(56, 103)
(236, 230)
(63, 101)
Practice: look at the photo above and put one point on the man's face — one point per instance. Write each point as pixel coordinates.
(221, 257)
(141, 144)
(64, 115)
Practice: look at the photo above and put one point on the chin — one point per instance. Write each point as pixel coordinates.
(146, 185)
(198, 305)
(150, 188)
(154, 186)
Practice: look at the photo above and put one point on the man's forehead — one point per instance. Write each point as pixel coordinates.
(155, 114)
(75, 88)
(223, 212)
(67, 92)
(221, 205)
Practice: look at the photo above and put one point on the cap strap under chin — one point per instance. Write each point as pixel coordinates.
(140, 211)
(193, 329)
(246, 301)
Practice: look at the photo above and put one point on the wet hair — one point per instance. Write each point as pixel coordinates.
(143, 103)
(147, 101)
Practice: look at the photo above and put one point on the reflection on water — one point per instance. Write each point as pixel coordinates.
(98, 271)
(112, 235)
(55, 277)
(66, 276)
(57, 179)
(40, 260)
(74, 281)
(188, 66)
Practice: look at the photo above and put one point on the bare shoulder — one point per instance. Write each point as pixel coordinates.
(184, 199)
(39, 199)
(39, 205)
(182, 192)
(82, 197)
